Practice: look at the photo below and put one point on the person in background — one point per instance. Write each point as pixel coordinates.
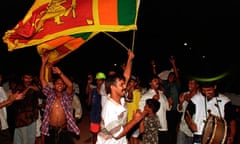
(132, 98)
(9, 85)
(26, 110)
(184, 133)
(77, 106)
(150, 124)
(172, 87)
(95, 106)
(87, 87)
(76, 88)
(58, 126)
(114, 125)
(154, 92)
(210, 103)
(41, 106)
(6, 100)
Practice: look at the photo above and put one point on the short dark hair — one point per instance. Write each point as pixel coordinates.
(207, 84)
(153, 104)
(111, 80)
(152, 76)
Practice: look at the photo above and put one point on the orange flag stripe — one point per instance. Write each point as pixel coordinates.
(108, 12)
(62, 46)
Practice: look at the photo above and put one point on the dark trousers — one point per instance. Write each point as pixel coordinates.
(59, 135)
(197, 139)
(5, 137)
(173, 119)
(163, 137)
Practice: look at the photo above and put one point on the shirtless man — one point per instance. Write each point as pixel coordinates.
(58, 121)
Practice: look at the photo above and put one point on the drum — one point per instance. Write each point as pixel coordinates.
(215, 130)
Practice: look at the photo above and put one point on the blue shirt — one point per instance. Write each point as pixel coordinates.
(96, 108)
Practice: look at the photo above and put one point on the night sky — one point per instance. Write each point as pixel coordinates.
(202, 35)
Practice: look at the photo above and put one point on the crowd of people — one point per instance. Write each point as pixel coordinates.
(47, 108)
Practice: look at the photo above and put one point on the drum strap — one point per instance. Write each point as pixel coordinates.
(217, 105)
(206, 108)
(220, 114)
(219, 108)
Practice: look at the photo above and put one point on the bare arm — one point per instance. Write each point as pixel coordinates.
(65, 79)
(138, 116)
(181, 100)
(141, 127)
(11, 98)
(5, 103)
(128, 68)
(42, 70)
(189, 112)
(172, 60)
(232, 131)
(190, 122)
(153, 64)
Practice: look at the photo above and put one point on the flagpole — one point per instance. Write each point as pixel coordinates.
(133, 40)
(116, 40)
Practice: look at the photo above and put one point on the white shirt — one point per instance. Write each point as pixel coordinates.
(164, 107)
(3, 110)
(77, 106)
(113, 115)
(202, 108)
(103, 94)
(183, 126)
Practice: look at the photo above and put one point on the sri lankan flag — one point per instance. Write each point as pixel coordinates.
(61, 26)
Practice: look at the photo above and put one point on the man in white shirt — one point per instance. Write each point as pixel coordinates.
(154, 92)
(114, 125)
(205, 105)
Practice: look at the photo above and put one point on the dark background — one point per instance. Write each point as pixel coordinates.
(210, 29)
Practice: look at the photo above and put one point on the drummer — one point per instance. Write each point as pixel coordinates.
(210, 101)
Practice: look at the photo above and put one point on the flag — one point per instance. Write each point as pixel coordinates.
(63, 25)
(62, 46)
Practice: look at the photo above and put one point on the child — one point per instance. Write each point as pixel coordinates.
(150, 124)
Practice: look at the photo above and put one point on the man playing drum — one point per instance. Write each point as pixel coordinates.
(206, 104)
